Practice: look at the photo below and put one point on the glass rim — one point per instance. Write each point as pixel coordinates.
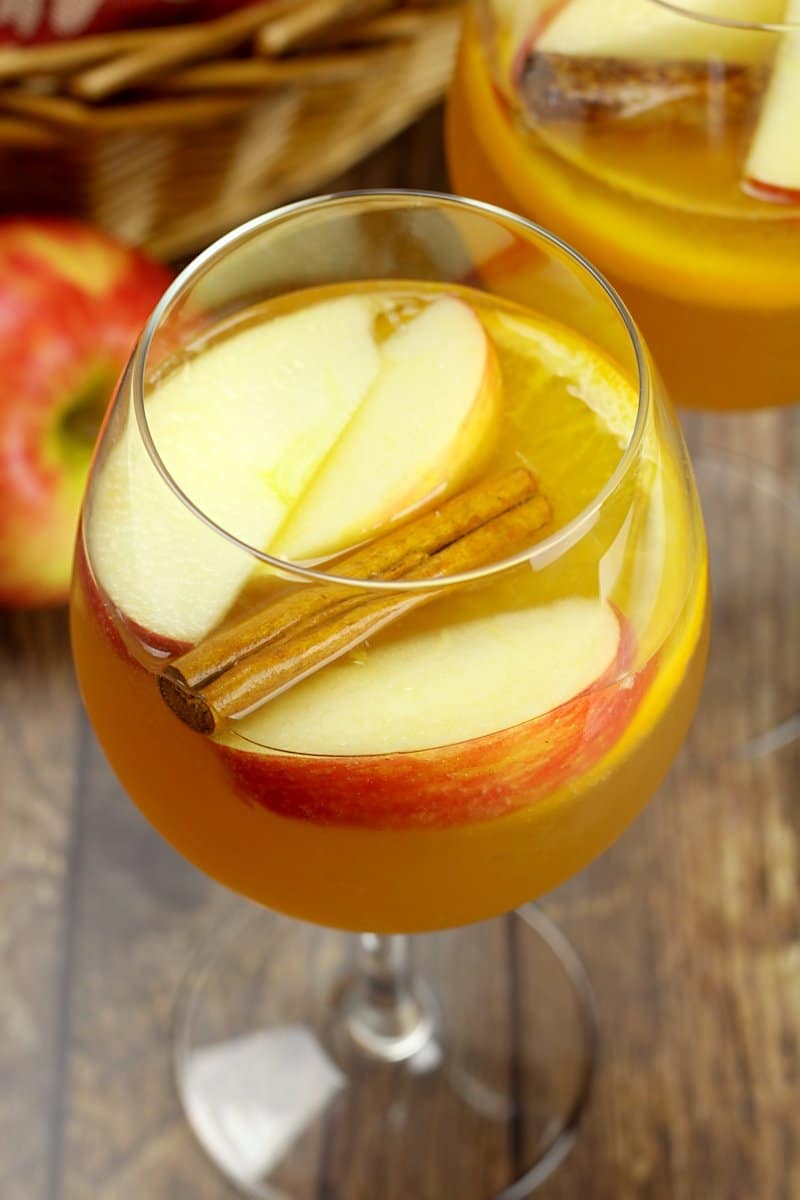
(686, 8)
(541, 552)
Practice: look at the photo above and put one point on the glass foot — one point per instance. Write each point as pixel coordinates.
(751, 698)
(484, 1101)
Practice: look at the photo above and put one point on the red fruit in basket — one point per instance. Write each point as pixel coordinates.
(53, 20)
(72, 303)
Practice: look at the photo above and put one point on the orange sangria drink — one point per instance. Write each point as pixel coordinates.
(390, 598)
(661, 139)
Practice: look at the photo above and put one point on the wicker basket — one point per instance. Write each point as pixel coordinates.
(170, 136)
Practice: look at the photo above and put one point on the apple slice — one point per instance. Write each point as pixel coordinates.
(631, 29)
(242, 427)
(425, 424)
(443, 686)
(524, 700)
(773, 164)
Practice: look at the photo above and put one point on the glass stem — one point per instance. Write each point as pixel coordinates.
(384, 1009)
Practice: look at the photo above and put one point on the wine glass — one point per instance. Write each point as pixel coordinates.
(660, 138)
(390, 613)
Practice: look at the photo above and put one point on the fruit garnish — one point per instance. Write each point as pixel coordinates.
(514, 665)
(242, 427)
(299, 435)
(595, 417)
(772, 171)
(243, 667)
(425, 422)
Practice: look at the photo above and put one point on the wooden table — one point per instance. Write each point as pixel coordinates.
(690, 928)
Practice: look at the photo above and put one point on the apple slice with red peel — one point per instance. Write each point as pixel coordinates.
(773, 165)
(242, 428)
(425, 424)
(445, 726)
(445, 685)
(635, 29)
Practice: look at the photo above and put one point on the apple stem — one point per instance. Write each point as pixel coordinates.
(383, 1010)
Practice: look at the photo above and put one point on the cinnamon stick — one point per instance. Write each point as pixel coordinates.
(388, 557)
(319, 636)
(595, 90)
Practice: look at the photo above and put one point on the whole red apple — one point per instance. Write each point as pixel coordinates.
(72, 303)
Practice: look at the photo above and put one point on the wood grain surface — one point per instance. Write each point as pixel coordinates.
(689, 926)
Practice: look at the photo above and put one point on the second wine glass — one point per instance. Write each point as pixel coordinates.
(661, 139)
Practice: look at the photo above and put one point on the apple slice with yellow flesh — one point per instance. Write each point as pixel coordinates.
(638, 29)
(445, 685)
(773, 164)
(242, 427)
(425, 424)
(450, 724)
